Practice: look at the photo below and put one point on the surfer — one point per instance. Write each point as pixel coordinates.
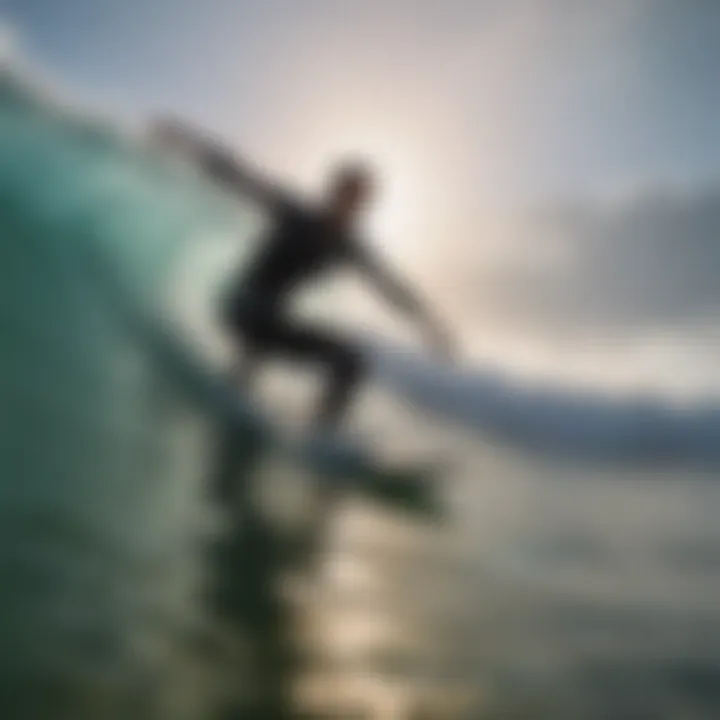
(302, 243)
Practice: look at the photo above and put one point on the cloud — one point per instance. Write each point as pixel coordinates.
(646, 264)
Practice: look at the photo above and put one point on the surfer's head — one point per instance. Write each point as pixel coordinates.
(351, 187)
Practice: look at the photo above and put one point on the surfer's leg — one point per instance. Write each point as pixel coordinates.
(347, 370)
(344, 362)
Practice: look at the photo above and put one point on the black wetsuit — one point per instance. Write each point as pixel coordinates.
(302, 244)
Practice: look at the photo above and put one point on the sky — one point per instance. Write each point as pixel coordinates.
(519, 98)
(594, 126)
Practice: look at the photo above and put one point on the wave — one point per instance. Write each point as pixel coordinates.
(560, 421)
(103, 460)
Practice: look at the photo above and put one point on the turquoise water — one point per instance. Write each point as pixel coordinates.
(103, 458)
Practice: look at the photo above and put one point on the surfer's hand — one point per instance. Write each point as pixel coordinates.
(172, 132)
(211, 157)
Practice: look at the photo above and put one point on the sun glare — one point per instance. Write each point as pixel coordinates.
(396, 218)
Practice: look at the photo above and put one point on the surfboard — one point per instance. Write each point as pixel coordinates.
(343, 465)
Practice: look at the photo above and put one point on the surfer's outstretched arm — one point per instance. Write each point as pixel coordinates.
(399, 295)
(221, 164)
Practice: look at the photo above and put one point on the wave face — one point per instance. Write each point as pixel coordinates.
(101, 457)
